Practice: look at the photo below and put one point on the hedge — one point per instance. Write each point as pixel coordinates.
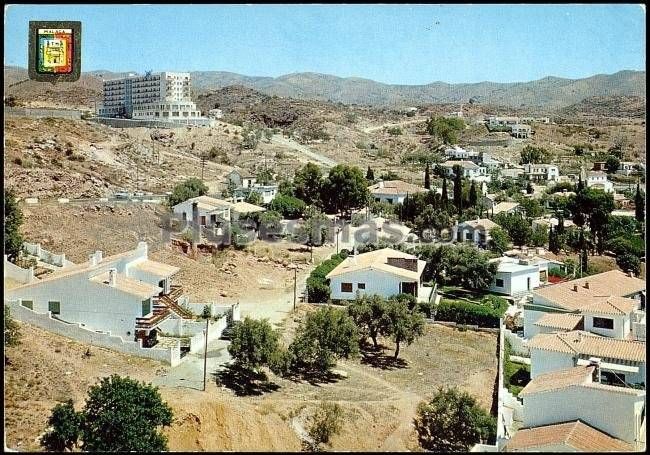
(318, 289)
(482, 315)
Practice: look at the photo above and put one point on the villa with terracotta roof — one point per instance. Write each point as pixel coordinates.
(126, 294)
(393, 191)
(576, 393)
(609, 302)
(622, 361)
(573, 436)
(385, 272)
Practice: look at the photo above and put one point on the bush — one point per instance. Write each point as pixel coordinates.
(318, 290)
(190, 188)
(468, 313)
(325, 423)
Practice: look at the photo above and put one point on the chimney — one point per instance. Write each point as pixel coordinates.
(142, 246)
(575, 288)
(99, 256)
(112, 277)
(404, 263)
(595, 362)
(586, 285)
(381, 184)
(92, 260)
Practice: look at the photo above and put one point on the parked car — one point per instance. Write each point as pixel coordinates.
(122, 195)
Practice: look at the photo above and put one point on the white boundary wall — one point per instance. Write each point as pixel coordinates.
(519, 345)
(19, 274)
(45, 321)
(48, 257)
(197, 342)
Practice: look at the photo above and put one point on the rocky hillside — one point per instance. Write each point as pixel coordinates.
(607, 106)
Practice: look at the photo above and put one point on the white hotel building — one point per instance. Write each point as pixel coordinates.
(161, 96)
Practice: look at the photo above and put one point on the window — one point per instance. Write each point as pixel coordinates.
(499, 283)
(346, 287)
(361, 285)
(468, 236)
(28, 304)
(54, 307)
(146, 307)
(603, 323)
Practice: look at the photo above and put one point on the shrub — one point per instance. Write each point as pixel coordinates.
(468, 313)
(325, 423)
(318, 290)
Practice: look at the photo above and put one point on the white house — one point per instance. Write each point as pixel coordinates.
(521, 131)
(385, 272)
(458, 153)
(547, 222)
(512, 172)
(515, 277)
(621, 360)
(607, 301)
(541, 172)
(573, 436)
(241, 179)
(629, 167)
(469, 169)
(205, 210)
(474, 231)
(576, 393)
(504, 207)
(393, 191)
(126, 294)
(598, 180)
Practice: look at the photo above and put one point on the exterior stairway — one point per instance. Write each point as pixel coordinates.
(170, 303)
(160, 313)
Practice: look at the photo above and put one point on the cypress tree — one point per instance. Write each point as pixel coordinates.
(473, 196)
(444, 196)
(639, 205)
(370, 175)
(427, 178)
(458, 189)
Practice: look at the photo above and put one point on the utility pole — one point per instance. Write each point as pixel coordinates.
(202, 164)
(205, 354)
(295, 279)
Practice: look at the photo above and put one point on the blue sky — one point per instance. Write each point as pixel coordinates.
(392, 44)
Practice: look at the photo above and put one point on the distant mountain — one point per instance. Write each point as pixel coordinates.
(607, 106)
(547, 94)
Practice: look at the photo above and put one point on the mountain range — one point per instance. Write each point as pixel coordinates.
(549, 93)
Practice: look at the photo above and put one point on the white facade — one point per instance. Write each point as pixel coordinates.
(616, 413)
(599, 181)
(162, 96)
(268, 192)
(79, 294)
(515, 277)
(470, 170)
(372, 282)
(241, 180)
(209, 210)
(521, 131)
(542, 172)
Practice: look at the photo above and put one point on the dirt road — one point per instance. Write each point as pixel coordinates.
(370, 129)
(293, 145)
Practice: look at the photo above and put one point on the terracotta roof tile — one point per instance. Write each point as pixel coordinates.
(589, 344)
(558, 380)
(563, 321)
(395, 187)
(578, 435)
(378, 260)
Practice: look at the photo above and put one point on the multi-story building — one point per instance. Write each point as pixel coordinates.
(541, 172)
(162, 96)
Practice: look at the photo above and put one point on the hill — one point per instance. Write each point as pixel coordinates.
(549, 93)
(607, 106)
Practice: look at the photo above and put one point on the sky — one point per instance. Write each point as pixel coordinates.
(395, 44)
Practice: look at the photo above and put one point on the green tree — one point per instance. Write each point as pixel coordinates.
(458, 188)
(539, 236)
(639, 207)
(254, 343)
(612, 164)
(553, 243)
(190, 188)
(444, 197)
(250, 137)
(499, 241)
(13, 221)
(529, 188)
(308, 182)
(531, 207)
(270, 222)
(289, 207)
(403, 325)
(473, 195)
(368, 314)
(453, 422)
(254, 198)
(230, 189)
(427, 177)
(315, 227)
(325, 423)
(12, 330)
(64, 431)
(629, 263)
(286, 187)
(394, 131)
(325, 335)
(535, 155)
(593, 207)
(345, 189)
(517, 227)
(468, 267)
(445, 129)
(370, 175)
(123, 415)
